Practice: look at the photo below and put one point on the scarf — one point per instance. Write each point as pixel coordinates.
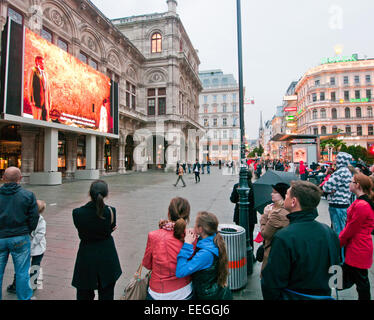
(366, 198)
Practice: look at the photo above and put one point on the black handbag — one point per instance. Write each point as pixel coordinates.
(260, 253)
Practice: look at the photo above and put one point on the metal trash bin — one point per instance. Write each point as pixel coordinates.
(235, 240)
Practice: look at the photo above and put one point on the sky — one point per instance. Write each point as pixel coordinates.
(281, 40)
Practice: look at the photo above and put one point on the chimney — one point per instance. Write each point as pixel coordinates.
(172, 6)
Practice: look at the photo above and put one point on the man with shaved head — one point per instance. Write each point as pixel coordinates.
(19, 216)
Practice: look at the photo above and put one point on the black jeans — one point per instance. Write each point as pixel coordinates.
(360, 278)
(197, 176)
(106, 293)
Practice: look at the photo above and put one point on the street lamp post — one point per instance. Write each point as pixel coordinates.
(243, 189)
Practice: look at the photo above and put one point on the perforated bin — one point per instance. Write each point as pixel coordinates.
(235, 240)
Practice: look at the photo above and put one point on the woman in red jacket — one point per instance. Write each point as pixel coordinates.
(356, 237)
(161, 253)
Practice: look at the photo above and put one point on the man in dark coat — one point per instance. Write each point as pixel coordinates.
(196, 170)
(19, 216)
(252, 216)
(303, 252)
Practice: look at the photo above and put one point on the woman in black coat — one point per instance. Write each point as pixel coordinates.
(97, 266)
(252, 215)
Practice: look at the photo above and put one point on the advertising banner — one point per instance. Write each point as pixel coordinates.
(59, 88)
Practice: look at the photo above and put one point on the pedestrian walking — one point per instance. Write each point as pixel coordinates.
(97, 266)
(189, 167)
(356, 237)
(337, 187)
(208, 264)
(38, 247)
(196, 170)
(208, 164)
(274, 218)
(252, 214)
(163, 246)
(19, 217)
(180, 176)
(302, 253)
(220, 164)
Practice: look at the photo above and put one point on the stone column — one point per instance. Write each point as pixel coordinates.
(28, 137)
(100, 160)
(122, 152)
(50, 176)
(71, 154)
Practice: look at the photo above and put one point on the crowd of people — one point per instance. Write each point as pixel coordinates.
(192, 263)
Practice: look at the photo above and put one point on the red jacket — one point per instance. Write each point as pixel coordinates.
(161, 257)
(356, 236)
(302, 167)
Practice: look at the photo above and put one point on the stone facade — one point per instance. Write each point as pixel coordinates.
(116, 50)
(219, 114)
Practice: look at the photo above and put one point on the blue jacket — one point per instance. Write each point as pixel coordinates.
(203, 258)
(18, 211)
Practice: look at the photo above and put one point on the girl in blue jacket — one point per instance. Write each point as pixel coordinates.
(208, 264)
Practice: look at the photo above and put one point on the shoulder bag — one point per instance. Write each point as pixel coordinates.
(138, 287)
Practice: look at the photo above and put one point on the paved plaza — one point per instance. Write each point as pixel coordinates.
(141, 200)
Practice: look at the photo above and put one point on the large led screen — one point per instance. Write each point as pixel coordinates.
(60, 88)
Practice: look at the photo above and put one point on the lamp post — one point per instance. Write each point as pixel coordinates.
(243, 189)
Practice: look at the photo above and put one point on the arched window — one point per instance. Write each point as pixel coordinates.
(323, 130)
(370, 112)
(359, 130)
(323, 113)
(314, 114)
(334, 129)
(348, 129)
(358, 112)
(370, 130)
(334, 113)
(347, 112)
(156, 43)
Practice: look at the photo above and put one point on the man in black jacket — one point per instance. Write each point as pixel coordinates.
(302, 253)
(252, 214)
(19, 216)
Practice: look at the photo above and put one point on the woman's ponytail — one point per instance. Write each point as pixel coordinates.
(98, 191)
(223, 264)
(180, 229)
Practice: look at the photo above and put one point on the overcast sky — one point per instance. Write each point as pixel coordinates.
(281, 39)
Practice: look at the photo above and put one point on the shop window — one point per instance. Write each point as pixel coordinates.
(61, 162)
(81, 153)
(10, 147)
(108, 155)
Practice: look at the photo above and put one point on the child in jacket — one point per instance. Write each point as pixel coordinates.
(208, 265)
(38, 247)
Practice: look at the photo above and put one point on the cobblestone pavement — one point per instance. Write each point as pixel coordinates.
(141, 200)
